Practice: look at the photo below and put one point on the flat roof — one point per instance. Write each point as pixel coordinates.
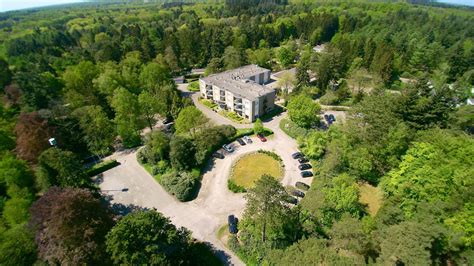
(237, 81)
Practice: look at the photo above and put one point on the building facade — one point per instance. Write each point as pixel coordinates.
(241, 90)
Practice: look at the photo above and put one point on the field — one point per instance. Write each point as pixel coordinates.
(250, 168)
(372, 196)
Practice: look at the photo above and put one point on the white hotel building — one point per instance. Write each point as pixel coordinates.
(241, 90)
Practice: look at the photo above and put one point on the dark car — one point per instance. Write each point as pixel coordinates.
(241, 142)
(261, 137)
(291, 200)
(326, 117)
(306, 174)
(304, 166)
(232, 224)
(301, 185)
(302, 160)
(218, 155)
(332, 117)
(297, 155)
(297, 193)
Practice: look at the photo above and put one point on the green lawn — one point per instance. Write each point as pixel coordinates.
(251, 167)
(372, 196)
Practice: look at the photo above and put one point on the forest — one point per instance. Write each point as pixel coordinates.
(96, 76)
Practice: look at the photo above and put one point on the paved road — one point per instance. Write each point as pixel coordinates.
(209, 211)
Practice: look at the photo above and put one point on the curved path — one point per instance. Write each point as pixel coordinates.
(209, 211)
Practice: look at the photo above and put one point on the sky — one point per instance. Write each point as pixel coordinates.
(7, 5)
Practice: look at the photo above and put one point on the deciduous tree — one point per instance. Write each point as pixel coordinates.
(71, 225)
(130, 240)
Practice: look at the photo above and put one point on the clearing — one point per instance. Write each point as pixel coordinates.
(372, 196)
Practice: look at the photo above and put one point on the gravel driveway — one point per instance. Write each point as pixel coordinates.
(209, 211)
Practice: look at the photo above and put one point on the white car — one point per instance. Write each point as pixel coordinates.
(247, 139)
(228, 148)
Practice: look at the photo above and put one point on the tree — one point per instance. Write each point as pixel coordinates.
(171, 59)
(258, 127)
(214, 66)
(149, 106)
(311, 251)
(78, 81)
(71, 225)
(287, 82)
(32, 135)
(302, 68)
(98, 129)
(130, 240)
(5, 73)
(232, 58)
(285, 56)
(190, 120)
(15, 211)
(332, 198)
(303, 111)
(62, 168)
(407, 243)
(157, 146)
(154, 74)
(127, 116)
(181, 184)
(434, 169)
(261, 57)
(329, 67)
(182, 153)
(313, 145)
(425, 106)
(348, 234)
(17, 246)
(268, 222)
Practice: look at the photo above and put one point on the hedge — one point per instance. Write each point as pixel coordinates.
(234, 187)
(102, 167)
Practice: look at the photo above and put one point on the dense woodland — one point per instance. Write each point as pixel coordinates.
(96, 75)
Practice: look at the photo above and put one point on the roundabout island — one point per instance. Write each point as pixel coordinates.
(250, 167)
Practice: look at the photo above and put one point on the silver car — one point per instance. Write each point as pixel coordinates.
(247, 139)
(228, 148)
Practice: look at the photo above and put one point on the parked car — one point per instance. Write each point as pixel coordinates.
(301, 185)
(232, 221)
(304, 166)
(291, 200)
(297, 155)
(228, 148)
(241, 142)
(302, 160)
(306, 174)
(326, 117)
(261, 137)
(297, 193)
(248, 139)
(218, 155)
(332, 117)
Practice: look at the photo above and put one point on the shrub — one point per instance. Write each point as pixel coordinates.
(330, 98)
(234, 187)
(258, 126)
(292, 129)
(271, 154)
(208, 103)
(181, 184)
(193, 86)
(160, 168)
(141, 156)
